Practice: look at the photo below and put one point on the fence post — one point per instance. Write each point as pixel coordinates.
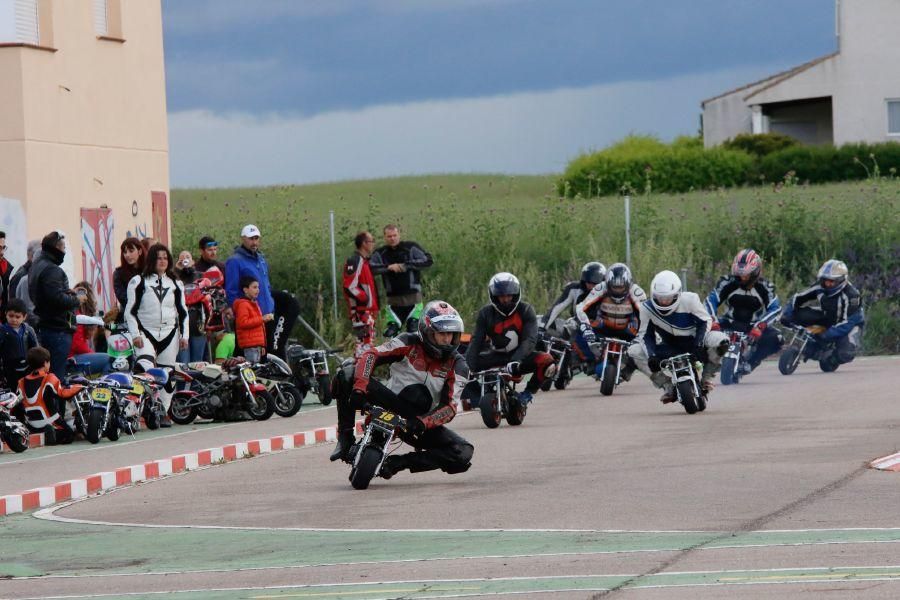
(628, 231)
(333, 266)
(684, 272)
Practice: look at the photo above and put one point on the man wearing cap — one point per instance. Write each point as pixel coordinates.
(209, 252)
(247, 260)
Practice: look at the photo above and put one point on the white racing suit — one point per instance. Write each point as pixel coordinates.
(685, 329)
(157, 313)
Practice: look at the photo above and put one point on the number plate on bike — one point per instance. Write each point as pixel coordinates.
(388, 417)
(137, 388)
(101, 394)
(248, 374)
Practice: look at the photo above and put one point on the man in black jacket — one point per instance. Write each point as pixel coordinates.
(399, 263)
(54, 301)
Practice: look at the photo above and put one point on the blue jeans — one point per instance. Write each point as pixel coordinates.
(196, 350)
(58, 343)
(95, 363)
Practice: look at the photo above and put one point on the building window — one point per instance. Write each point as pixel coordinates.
(108, 20)
(893, 107)
(19, 22)
(101, 17)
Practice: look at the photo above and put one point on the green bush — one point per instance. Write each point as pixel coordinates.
(644, 164)
(760, 144)
(823, 164)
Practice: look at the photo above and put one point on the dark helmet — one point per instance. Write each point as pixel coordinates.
(439, 316)
(747, 263)
(505, 284)
(593, 272)
(618, 281)
(835, 271)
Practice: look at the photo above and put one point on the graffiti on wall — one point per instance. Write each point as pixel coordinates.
(97, 253)
(12, 221)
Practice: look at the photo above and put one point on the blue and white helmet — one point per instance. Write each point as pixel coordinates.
(834, 271)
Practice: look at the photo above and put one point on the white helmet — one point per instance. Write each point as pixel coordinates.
(665, 290)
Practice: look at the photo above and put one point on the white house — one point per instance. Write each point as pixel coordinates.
(851, 95)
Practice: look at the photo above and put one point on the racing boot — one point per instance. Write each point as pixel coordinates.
(392, 329)
(393, 464)
(525, 397)
(345, 440)
(627, 369)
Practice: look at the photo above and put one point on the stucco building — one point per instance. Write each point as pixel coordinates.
(83, 134)
(850, 95)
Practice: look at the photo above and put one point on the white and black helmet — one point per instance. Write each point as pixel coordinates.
(439, 316)
(618, 281)
(665, 291)
(505, 284)
(593, 272)
(836, 271)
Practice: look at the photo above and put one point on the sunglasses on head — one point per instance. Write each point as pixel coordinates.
(211, 244)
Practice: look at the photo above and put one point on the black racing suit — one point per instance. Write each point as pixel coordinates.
(573, 294)
(510, 339)
(757, 306)
(841, 312)
(420, 387)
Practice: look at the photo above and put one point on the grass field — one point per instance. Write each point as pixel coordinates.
(476, 225)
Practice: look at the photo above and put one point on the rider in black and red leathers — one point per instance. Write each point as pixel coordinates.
(426, 381)
(510, 328)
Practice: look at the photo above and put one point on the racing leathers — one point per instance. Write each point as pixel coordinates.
(841, 312)
(45, 406)
(404, 289)
(748, 310)
(422, 389)
(510, 342)
(362, 298)
(685, 329)
(572, 294)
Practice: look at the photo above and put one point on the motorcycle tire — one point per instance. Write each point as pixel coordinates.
(95, 425)
(364, 471)
(112, 429)
(788, 361)
(17, 443)
(828, 365)
(701, 403)
(181, 414)
(151, 418)
(729, 370)
(608, 383)
(686, 394)
(489, 414)
(261, 406)
(516, 413)
(565, 374)
(288, 399)
(324, 384)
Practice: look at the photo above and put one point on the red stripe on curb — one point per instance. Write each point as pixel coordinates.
(229, 452)
(320, 435)
(299, 439)
(94, 484)
(123, 476)
(277, 443)
(178, 464)
(2, 506)
(62, 491)
(31, 499)
(253, 447)
(151, 470)
(204, 458)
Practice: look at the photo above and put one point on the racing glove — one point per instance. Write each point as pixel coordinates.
(716, 326)
(514, 368)
(415, 426)
(757, 331)
(357, 398)
(587, 333)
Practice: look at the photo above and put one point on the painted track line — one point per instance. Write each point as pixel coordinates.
(83, 487)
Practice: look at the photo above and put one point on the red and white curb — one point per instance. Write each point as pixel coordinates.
(887, 463)
(157, 469)
(35, 440)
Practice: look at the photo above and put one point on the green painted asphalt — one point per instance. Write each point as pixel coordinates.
(55, 548)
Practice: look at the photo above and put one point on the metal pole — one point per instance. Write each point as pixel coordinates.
(333, 266)
(628, 230)
(684, 279)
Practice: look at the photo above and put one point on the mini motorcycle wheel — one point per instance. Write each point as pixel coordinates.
(608, 383)
(729, 370)
(788, 361)
(261, 406)
(489, 413)
(288, 399)
(686, 393)
(364, 471)
(18, 442)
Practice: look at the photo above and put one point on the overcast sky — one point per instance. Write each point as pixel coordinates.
(299, 91)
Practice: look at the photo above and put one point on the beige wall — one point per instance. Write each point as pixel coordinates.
(93, 119)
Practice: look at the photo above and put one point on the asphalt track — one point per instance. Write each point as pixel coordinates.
(765, 494)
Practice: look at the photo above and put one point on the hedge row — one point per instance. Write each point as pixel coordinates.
(641, 164)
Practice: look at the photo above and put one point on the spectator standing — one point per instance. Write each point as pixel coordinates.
(6, 270)
(21, 274)
(87, 358)
(248, 260)
(197, 342)
(360, 290)
(209, 252)
(157, 316)
(16, 339)
(399, 263)
(249, 322)
(54, 301)
(131, 263)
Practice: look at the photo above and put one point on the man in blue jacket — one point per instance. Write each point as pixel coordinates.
(247, 260)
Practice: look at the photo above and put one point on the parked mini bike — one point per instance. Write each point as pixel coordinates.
(104, 399)
(310, 369)
(498, 399)
(561, 351)
(220, 392)
(368, 454)
(735, 357)
(803, 347)
(276, 375)
(610, 353)
(684, 374)
(12, 432)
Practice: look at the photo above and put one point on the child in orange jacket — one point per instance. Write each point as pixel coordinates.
(45, 400)
(249, 322)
